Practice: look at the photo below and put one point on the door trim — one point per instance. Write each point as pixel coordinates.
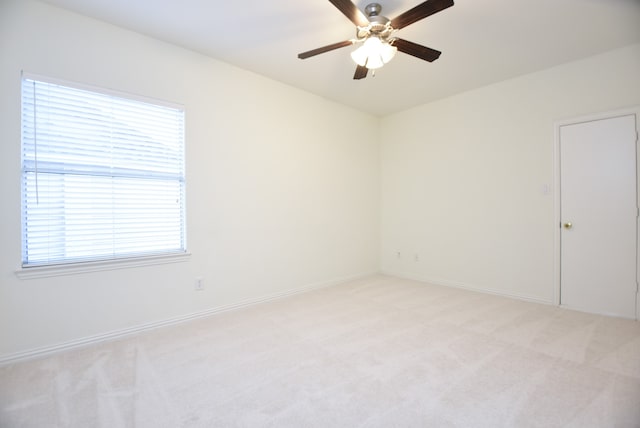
(556, 193)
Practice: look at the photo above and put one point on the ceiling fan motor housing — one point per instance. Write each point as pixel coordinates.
(378, 24)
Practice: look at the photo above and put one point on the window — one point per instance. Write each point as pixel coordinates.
(102, 175)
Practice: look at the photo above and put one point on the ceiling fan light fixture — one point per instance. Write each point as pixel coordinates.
(388, 52)
(374, 53)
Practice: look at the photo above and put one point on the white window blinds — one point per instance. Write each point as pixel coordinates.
(102, 176)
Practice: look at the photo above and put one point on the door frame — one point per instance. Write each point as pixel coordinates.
(556, 193)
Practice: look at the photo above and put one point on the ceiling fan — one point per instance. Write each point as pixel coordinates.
(375, 34)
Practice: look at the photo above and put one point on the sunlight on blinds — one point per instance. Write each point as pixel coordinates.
(102, 176)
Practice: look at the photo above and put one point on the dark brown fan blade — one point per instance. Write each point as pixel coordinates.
(361, 72)
(351, 11)
(305, 55)
(419, 12)
(417, 50)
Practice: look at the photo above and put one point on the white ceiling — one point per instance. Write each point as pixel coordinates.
(483, 41)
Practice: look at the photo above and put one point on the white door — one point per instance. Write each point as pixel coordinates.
(598, 212)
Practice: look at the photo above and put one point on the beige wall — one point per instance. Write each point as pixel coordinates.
(276, 199)
(463, 178)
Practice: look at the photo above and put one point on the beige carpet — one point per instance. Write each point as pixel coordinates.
(377, 352)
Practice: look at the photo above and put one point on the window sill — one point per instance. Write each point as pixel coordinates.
(102, 265)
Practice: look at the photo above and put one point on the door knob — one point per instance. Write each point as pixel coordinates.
(568, 225)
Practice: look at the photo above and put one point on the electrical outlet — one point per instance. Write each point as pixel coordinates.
(199, 284)
(416, 257)
(398, 255)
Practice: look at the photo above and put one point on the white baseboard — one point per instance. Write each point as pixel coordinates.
(118, 334)
(469, 287)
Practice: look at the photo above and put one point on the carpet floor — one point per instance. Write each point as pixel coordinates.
(375, 352)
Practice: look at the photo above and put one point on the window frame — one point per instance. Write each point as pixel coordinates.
(115, 261)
